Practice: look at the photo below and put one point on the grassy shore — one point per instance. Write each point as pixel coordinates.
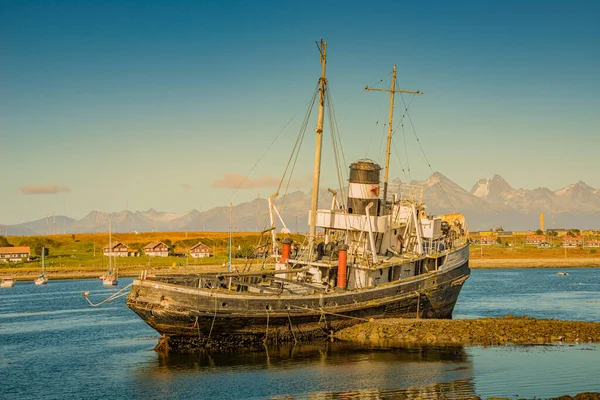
(80, 256)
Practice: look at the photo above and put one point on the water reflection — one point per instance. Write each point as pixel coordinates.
(321, 371)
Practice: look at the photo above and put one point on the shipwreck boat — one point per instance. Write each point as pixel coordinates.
(366, 257)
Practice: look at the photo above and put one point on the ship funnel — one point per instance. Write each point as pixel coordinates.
(364, 186)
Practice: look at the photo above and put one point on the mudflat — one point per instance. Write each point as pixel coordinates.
(481, 331)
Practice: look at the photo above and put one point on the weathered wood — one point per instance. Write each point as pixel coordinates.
(300, 283)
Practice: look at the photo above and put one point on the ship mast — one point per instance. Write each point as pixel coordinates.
(319, 143)
(388, 149)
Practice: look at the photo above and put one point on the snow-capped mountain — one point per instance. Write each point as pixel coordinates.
(491, 202)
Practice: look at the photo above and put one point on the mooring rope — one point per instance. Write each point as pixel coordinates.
(292, 327)
(267, 332)
(109, 298)
(213, 322)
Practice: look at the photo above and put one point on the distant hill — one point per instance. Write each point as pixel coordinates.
(490, 203)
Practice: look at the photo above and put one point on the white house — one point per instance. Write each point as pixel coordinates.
(200, 251)
(119, 250)
(156, 249)
(14, 254)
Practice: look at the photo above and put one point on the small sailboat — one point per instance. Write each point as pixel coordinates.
(7, 282)
(111, 278)
(42, 279)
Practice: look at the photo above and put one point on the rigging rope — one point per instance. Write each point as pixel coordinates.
(425, 155)
(224, 209)
(296, 149)
(109, 298)
(338, 151)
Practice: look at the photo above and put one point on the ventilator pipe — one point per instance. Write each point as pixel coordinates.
(285, 250)
(342, 267)
(371, 240)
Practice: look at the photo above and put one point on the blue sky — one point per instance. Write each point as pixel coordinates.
(139, 104)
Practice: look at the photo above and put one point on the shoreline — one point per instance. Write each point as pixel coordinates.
(25, 274)
(490, 263)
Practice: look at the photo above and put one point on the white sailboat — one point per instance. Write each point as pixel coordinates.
(7, 282)
(111, 278)
(42, 279)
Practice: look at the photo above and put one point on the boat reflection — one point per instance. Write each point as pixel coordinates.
(338, 370)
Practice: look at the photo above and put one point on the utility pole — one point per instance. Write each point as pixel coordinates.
(392, 92)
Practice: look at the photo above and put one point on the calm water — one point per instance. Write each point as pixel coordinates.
(53, 345)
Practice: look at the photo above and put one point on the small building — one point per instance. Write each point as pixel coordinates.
(572, 241)
(487, 240)
(592, 243)
(119, 250)
(156, 249)
(200, 251)
(505, 233)
(544, 245)
(535, 239)
(14, 254)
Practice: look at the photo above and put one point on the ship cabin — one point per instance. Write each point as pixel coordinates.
(375, 243)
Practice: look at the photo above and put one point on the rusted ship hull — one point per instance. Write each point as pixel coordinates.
(191, 318)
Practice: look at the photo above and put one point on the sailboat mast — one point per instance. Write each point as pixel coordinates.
(388, 148)
(110, 244)
(319, 143)
(229, 253)
(43, 260)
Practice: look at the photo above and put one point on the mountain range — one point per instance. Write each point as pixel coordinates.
(490, 203)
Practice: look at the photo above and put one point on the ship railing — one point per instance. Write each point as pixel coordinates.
(439, 247)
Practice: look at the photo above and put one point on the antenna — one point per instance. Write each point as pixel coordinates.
(392, 92)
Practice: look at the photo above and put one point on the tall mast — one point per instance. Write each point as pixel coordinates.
(110, 244)
(319, 143)
(229, 244)
(388, 147)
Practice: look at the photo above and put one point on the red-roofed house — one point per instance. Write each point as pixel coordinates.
(200, 251)
(570, 241)
(120, 250)
(535, 239)
(14, 254)
(592, 243)
(487, 240)
(156, 249)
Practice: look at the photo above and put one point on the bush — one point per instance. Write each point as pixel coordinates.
(4, 242)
